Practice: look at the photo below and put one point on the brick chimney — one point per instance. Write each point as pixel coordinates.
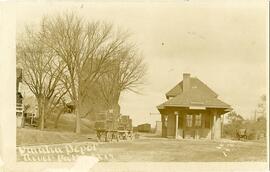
(186, 82)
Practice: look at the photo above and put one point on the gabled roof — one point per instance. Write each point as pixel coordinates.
(194, 98)
(194, 82)
(199, 95)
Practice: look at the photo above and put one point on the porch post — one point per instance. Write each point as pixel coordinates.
(214, 126)
(176, 125)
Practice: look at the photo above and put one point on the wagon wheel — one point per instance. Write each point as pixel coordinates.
(103, 136)
(115, 136)
(98, 136)
(131, 136)
(128, 136)
(109, 136)
(120, 136)
(125, 136)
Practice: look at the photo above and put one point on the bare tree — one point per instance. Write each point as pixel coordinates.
(41, 72)
(127, 74)
(81, 46)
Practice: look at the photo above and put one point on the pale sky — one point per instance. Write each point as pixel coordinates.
(223, 44)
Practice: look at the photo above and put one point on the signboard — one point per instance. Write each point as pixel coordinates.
(197, 107)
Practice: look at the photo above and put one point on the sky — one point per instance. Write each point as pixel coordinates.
(222, 43)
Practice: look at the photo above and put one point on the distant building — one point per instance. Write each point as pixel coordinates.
(19, 99)
(144, 128)
(26, 107)
(192, 110)
(18, 83)
(30, 110)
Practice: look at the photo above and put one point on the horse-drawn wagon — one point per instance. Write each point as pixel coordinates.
(110, 126)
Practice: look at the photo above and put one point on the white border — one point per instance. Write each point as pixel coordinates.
(7, 120)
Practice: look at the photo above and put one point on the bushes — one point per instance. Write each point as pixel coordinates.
(255, 129)
(235, 123)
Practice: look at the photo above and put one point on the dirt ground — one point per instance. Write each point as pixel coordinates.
(36, 137)
(185, 150)
(150, 147)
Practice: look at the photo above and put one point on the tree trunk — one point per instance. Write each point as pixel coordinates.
(40, 111)
(78, 118)
(42, 114)
(58, 117)
(46, 111)
(78, 106)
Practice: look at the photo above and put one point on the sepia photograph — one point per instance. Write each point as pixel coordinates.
(140, 82)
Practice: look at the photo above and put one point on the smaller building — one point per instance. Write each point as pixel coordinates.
(30, 110)
(19, 99)
(144, 128)
(192, 110)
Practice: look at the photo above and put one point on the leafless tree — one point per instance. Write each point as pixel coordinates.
(127, 74)
(81, 46)
(41, 72)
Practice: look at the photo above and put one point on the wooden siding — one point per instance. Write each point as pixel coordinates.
(210, 124)
(171, 126)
